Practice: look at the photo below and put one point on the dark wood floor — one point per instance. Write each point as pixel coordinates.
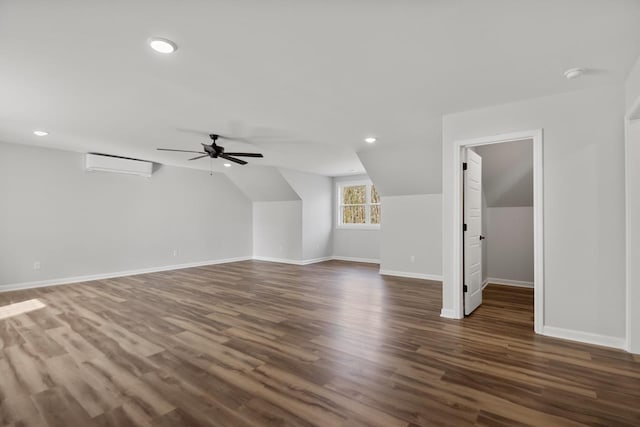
(331, 344)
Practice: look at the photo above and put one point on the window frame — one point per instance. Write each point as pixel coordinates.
(367, 225)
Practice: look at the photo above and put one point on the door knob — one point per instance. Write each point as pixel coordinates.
(482, 237)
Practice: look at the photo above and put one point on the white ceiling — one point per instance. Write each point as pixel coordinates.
(304, 80)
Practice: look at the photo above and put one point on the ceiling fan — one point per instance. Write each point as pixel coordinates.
(214, 151)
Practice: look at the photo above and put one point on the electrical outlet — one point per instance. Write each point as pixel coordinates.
(36, 265)
(175, 252)
(412, 258)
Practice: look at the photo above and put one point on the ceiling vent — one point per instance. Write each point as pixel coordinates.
(106, 163)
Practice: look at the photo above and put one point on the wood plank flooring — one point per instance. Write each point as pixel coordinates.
(331, 344)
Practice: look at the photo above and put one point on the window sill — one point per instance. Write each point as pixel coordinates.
(358, 227)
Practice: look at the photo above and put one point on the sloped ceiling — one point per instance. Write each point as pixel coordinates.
(409, 168)
(403, 170)
(507, 173)
(307, 185)
(262, 183)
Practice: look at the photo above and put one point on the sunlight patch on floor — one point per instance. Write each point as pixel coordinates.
(17, 308)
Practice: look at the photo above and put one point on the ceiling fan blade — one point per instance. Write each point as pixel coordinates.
(180, 151)
(233, 159)
(232, 138)
(244, 154)
(199, 157)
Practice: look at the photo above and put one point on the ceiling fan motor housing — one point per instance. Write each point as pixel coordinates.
(214, 149)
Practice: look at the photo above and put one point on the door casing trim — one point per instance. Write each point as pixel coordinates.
(632, 115)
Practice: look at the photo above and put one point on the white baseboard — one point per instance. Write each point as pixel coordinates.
(448, 313)
(509, 282)
(352, 259)
(278, 260)
(293, 261)
(316, 260)
(88, 278)
(585, 337)
(485, 283)
(409, 275)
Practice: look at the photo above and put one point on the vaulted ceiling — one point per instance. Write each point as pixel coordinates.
(301, 81)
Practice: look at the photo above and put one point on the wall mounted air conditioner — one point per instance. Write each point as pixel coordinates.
(106, 163)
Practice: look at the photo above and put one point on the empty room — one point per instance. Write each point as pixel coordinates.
(320, 213)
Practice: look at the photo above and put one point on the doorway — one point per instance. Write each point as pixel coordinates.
(469, 268)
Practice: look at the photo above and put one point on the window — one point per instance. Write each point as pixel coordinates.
(358, 205)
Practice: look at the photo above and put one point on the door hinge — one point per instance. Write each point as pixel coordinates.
(464, 166)
(464, 227)
(464, 288)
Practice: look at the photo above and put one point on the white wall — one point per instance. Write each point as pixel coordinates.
(354, 243)
(361, 244)
(316, 192)
(583, 201)
(509, 244)
(78, 223)
(412, 227)
(277, 230)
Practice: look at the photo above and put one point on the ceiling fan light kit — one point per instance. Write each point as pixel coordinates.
(215, 151)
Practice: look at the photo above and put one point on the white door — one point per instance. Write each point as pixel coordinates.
(472, 231)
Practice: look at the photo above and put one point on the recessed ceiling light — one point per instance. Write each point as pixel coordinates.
(227, 165)
(40, 133)
(370, 140)
(162, 45)
(574, 73)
